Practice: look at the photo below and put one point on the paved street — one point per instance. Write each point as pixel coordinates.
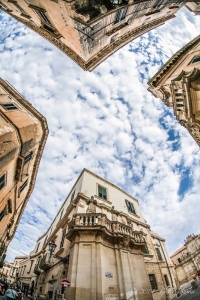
(189, 294)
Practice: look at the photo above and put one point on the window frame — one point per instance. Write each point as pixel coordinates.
(10, 104)
(23, 186)
(146, 249)
(5, 180)
(62, 241)
(191, 62)
(159, 255)
(38, 245)
(166, 280)
(2, 214)
(28, 157)
(152, 282)
(120, 15)
(72, 195)
(106, 194)
(128, 205)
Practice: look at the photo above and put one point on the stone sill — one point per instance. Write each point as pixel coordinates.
(102, 199)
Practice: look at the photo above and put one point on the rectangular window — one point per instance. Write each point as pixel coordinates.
(9, 206)
(28, 157)
(159, 254)
(130, 206)
(43, 16)
(146, 250)
(63, 238)
(18, 6)
(38, 245)
(195, 59)
(102, 192)
(153, 282)
(2, 214)
(31, 266)
(166, 280)
(2, 181)
(22, 187)
(120, 15)
(179, 260)
(61, 214)
(72, 196)
(10, 106)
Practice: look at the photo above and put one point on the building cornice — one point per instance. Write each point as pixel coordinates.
(44, 126)
(104, 53)
(166, 69)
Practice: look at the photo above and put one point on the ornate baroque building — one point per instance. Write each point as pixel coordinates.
(177, 84)
(187, 259)
(100, 242)
(89, 31)
(23, 133)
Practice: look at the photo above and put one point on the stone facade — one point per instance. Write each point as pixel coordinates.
(89, 31)
(193, 7)
(103, 246)
(177, 83)
(187, 259)
(23, 133)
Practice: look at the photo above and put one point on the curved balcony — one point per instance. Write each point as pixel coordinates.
(36, 270)
(100, 222)
(45, 262)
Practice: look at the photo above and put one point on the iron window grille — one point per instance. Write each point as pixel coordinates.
(2, 181)
(159, 254)
(120, 15)
(10, 106)
(102, 192)
(22, 187)
(63, 238)
(153, 282)
(130, 206)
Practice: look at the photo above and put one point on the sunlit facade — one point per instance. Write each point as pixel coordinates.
(187, 259)
(90, 31)
(177, 84)
(23, 133)
(102, 245)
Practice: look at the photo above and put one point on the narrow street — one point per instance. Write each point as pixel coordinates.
(189, 294)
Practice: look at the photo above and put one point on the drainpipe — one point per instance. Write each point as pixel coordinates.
(167, 265)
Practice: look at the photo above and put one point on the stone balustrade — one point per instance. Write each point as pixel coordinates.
(114, 227)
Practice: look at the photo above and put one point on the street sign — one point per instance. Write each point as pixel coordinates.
(66, 283)
(109, 275)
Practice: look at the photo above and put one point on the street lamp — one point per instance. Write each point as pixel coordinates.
(52, 247)
(116, 2)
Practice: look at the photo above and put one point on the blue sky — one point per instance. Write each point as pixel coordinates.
(106, 121)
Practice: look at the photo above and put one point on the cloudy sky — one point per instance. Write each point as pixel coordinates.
(106, 121)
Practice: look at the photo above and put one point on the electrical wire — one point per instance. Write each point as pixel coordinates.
(18, 250)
